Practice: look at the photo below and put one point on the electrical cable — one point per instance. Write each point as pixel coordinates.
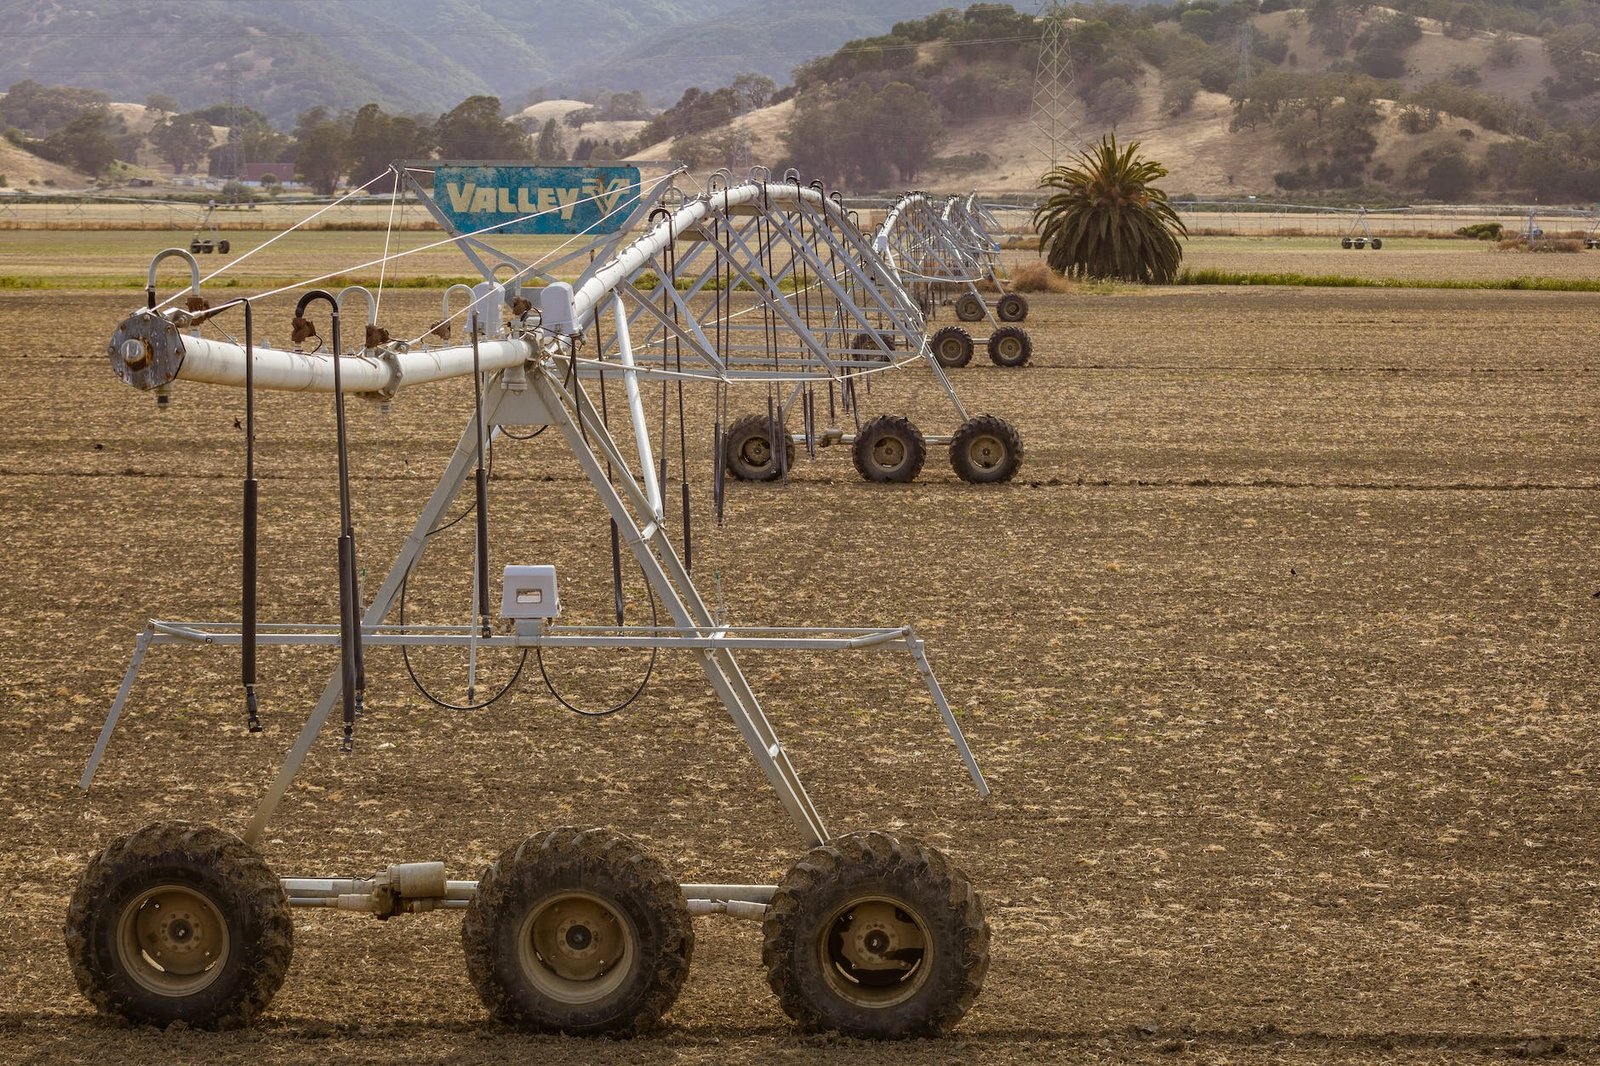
(649, 670)
(405, 657)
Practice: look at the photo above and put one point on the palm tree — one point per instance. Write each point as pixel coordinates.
(1108, 221)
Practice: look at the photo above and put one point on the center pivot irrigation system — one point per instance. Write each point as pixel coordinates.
(578, 930)
(1359, 235)
(943, 251)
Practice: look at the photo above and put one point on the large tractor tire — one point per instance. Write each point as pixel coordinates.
(889, 449)
(1010, 346)
(747, 448)
(875, 936)
(578, 931)
(952, 346)
(179, 923)
(986, 450)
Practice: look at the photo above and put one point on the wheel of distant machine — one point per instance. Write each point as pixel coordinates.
(873, 347)
(952, 346)
(969, 307)
(889, 449)
(1012, 307)
(750, 449)
(1010, 346)
(986, 450)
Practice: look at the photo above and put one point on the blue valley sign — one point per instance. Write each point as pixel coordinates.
(536, 199)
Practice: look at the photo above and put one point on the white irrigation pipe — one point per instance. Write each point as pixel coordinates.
(641, 432)
(222, 363)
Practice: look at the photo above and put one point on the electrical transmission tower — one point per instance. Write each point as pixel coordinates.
(1055, 106)
(1246, 41)
(228, 160)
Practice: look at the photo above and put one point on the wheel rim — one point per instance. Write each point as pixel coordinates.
(576, 948)
(1010, 349)
(986, 451)
(888, 453)
(950, 349)
(172, 940)
(756, 451)
(875, 951)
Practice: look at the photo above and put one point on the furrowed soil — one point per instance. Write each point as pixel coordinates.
(1279, 656)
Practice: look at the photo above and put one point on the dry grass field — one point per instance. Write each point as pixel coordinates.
(1280, 655)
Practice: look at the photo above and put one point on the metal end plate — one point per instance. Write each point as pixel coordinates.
(146, 351)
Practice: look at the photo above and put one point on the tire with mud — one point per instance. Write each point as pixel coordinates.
(747, 449)
(1010, 346)
(578, 931)
(986, 450)
(866, 347)
(952, 346)
(969, 307)
(179, 923)
(1012, 307)
(876, 936)
(889, 449)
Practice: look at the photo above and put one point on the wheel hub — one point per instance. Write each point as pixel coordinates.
(576, 948)
(888, 452)
(876, 953)
(757, 451)
(986, 451)
(171, 938)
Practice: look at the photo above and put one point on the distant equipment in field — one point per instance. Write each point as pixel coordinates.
(1360, 234)
(207, 237)
(942, 251)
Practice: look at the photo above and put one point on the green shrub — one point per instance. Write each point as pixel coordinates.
(1481, 231)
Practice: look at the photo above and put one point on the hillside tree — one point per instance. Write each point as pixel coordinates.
(550, 147)
(477, 128)
(378, 139)
(181, 141)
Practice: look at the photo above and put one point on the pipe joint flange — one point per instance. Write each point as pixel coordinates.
(396, 373)
(146, 351)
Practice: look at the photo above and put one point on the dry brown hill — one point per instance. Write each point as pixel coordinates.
(24, 170)
(1201, 154)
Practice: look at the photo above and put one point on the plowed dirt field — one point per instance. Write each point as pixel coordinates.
(1280, 655)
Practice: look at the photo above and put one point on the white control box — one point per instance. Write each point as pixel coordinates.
(529, 592)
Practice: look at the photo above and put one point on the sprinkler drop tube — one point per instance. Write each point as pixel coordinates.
(352, 677)
(481, 477)
(247, 649)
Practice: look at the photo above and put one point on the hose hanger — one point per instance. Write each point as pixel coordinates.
(375, 337)
(441, 329)
(195, 303)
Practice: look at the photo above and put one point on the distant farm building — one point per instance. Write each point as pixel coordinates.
(253, 173)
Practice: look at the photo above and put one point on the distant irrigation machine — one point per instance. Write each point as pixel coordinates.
(1360, 235)
(942, 252)
(576, 930)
